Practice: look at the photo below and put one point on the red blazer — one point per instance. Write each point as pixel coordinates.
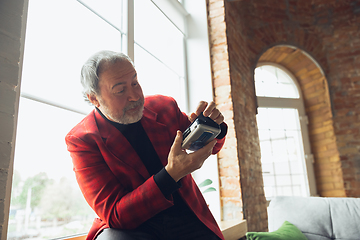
(112, 177)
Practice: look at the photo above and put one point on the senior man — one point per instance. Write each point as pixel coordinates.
(128, 159)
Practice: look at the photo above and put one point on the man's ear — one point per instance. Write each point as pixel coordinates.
(93, 99)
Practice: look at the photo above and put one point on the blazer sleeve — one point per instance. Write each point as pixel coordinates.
(220, 142)
(118, 206)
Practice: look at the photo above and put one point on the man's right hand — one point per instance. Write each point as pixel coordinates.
(181, 163)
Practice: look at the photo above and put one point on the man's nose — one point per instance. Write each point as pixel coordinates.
(133, 95)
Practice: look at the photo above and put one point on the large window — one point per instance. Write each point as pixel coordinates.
(159, 52)
(46, 201)
(285, 153)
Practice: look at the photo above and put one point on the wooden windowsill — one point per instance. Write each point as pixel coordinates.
(234, 229)
(78, 237)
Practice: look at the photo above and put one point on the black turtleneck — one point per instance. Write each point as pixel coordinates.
(141, 143)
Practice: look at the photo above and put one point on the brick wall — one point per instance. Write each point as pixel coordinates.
(326, 37)
(343, 54)
(11, 50)
(229, 171)
(239, 162)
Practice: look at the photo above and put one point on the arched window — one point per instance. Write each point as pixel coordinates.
(282, 125)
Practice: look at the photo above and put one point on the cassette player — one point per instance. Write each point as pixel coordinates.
(200, 132)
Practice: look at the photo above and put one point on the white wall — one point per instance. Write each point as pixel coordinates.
(12, 32)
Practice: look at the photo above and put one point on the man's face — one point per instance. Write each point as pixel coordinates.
(121, 98)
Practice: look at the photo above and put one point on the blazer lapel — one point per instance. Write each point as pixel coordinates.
(119, 146)
(158, 134)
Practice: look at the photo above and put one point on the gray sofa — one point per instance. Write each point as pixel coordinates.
(318, 218)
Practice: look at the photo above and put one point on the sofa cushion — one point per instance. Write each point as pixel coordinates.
(345, 214)
(310, 215)
(318, 218)
(285, 232)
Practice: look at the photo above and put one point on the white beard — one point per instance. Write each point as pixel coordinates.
(125, 118)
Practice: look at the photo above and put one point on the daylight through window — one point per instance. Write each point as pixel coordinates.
(46, 201)
(281, 120)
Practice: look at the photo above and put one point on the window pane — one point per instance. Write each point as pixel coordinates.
(110, 10)
(282, 154)
(155, 33)
(291, 120)
(271, 81)
(156, 78)
(266, 149)
(267, 168)
(46, 201)
(281, 168)
(60, 36)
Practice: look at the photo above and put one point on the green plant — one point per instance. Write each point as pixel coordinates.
(205, 183)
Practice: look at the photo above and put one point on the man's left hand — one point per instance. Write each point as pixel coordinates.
(208, 110)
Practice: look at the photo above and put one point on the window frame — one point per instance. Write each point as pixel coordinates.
(295, 103)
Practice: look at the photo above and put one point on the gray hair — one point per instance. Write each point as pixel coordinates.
(94, 66)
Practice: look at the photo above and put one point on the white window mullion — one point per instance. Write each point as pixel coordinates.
(280, 103)
(309, 158)
(53, 104)
(185, 81)
(174, 12)
(130, 29)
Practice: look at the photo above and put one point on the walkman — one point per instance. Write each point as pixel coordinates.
(200, 132)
